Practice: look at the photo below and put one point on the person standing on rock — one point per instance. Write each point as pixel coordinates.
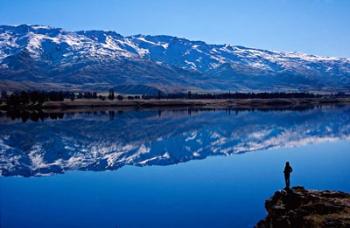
(287, 170)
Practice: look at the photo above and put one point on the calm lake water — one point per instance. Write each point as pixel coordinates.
(165, 168)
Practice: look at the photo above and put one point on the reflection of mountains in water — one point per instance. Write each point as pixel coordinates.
(104, 141)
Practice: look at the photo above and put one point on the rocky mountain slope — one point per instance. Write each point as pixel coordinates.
(33, 55)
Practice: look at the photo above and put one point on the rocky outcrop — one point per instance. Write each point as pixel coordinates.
(298, 207)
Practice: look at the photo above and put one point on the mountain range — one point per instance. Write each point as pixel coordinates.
(36, 56)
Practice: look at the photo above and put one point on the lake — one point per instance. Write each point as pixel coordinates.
(165, 168)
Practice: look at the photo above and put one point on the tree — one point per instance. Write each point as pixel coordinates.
(72, 96)
(189, 95)
(111, 95)
(4, 95)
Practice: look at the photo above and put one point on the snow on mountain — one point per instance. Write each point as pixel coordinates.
(58, 56)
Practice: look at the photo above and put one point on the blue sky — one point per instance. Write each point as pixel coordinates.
(311, 26)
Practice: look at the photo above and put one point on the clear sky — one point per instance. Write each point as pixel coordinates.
(312, 26)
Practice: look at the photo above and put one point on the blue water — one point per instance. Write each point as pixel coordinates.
(223, 185)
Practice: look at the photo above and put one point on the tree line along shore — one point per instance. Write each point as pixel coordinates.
(39, 100)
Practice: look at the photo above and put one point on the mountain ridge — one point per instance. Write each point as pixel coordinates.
(44, 54)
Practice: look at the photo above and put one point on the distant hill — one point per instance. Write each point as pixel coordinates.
(33, 56)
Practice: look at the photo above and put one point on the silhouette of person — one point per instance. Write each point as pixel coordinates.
(287, 170)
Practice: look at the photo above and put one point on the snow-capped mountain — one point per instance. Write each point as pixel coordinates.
(35, 55)
(100, 142)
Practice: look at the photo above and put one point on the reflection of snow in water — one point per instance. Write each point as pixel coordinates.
(141, 138)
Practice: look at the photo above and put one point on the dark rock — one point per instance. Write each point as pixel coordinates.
(298, 207)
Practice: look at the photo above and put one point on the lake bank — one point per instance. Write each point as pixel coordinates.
(203, 103)
(56, 109)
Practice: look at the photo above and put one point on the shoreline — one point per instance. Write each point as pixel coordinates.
(236, 104)
(199, 103)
